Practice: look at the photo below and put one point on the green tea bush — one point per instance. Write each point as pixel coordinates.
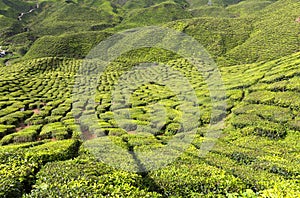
(6, 129)
(51, 130)
(15, 177)
(51, 119)
(272, 113)
(116, 132)
(60, 111)
(54, 151)
(261, 97)
(259, 127)
(183, 180)
(173, 129)
(26, 135)
(127, 124)
(295, 124)
(93, 179)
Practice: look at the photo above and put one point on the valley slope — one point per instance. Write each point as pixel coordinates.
(46, 145)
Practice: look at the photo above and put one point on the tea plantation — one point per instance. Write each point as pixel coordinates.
(54, 144)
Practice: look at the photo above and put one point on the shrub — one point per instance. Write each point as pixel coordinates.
(116, 132)
(54, 151)
(182, 180)
(50, 130)
(96, 179)
(6, 129)
(173, 128)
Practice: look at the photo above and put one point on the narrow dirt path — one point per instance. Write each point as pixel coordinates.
(30, 11)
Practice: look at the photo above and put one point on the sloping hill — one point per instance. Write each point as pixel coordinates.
(217, 35)
(156, 14)
(222, 3)
(245, 39)
(61, 17)
(261, 135)
(264, 34)
(76, 45)
(9, 12)
(248, 7)
(275, 34)
(49, 139)
(12, 9)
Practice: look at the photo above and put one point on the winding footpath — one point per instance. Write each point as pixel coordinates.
(31, 10)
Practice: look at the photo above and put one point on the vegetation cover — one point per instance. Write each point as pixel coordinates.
(43, 146)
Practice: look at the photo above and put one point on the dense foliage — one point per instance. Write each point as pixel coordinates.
(43, 143)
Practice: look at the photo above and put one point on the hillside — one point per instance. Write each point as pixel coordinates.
(155, 123)
(263, 112)
(231, 36)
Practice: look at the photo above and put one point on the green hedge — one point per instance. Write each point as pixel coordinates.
(26, 135)
(81, 178)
